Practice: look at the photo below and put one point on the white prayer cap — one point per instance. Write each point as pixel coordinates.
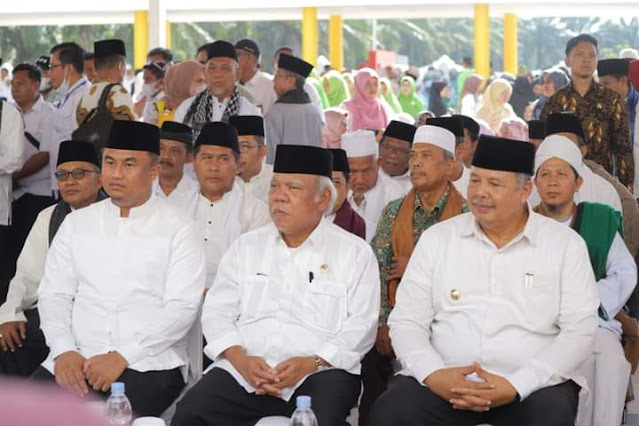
(435, 135)
(558, 147)
(360, 143)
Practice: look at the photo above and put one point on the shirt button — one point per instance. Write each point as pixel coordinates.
(206, 239)
(210, 222)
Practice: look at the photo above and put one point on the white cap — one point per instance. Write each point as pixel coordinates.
(435, 135)
(556, 146)
(360, 143)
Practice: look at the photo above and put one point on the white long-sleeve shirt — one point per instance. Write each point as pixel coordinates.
(184, 196)
(261, 88)
(23, 289)
(133, 285)
(259, 185)
(246, 108)
(527, 311)
(263, 301)
(11, 149)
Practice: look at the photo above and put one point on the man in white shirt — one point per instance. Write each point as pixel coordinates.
(498, 340)
(369, 192)
(32, 183)
(176, 151)
(22, 341)
(595, 188)
(558, 163)
(394, 152)
(250, 77)
(292, 310)
(130, 269)
(222, 99)
(11, 146)
(222, 211)
(254, 175)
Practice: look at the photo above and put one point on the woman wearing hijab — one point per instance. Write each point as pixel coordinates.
(350, 83)
(552, 80)
(522, 94)
(386, 93)
(513, 128)
(334, 128)
(494, 107)
(408, 99)
(314, 79)
(181, 81)
(366, 110)
(335, 88)
(470, 94)
(439, 94)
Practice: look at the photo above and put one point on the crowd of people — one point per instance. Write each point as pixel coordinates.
(406, 249)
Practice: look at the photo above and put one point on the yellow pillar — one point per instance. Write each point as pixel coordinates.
(510, 43)
(336, 42)
(168, 34)
(140, 38)
(482, 39)
(309, 34)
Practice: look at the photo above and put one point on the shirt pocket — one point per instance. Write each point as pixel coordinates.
(324, 305)
(253, 295)
(541, 293)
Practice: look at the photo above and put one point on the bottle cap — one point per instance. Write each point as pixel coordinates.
(117, 388)
(303, 401)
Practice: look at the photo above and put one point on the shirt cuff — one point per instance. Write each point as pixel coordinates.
(526, 380)
(420, 366)
(132, 352)
(216, 347)
(62, 345)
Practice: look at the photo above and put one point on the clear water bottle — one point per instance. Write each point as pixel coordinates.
(118, 407)
(303, 415)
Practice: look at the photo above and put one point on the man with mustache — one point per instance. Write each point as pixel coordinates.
(254, 176)
(292, 310)
(343, 214)
(123, 283)
(369, 191)
(176, 151)
(498, 339)
(558, 165)
(22, 341)
(222, 211)
(432, 199)
(394, 152)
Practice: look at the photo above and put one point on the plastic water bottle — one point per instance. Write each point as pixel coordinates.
(303, 415)
(118, 407)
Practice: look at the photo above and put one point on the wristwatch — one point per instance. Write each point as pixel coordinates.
(319, 366)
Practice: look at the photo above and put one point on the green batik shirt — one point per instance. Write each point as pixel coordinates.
(382, 246)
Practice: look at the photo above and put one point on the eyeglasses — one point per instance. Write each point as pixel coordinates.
(247, 147)
(52, 66)
(77, 174)
(397, 151)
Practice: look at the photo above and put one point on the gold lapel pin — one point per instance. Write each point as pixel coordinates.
(455, 294)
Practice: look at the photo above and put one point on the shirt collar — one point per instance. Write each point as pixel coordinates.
(316, 239)
(140, 211)
(439, 206)
(81, 81)
(470, 227)
(36, 107)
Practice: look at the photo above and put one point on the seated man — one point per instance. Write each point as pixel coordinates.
(343, 214)
(254, 176)
(394, 152)
(292, 311)
(432, 199)
(370, 191)
(222, 211)
(558, 164)
(123, 283)
(176, 151)
(460, 174)
(495, 338)
(22, 341)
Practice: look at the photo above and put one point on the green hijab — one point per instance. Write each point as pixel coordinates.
(314, 80)
(411, 104)
(390, 96)
(350, 83)
(335, 88)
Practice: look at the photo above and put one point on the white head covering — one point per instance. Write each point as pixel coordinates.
(559, 147)
(360, 143)
(435, 135)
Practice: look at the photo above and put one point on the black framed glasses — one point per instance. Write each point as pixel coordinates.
(77, 174)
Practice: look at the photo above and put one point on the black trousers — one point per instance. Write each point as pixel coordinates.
(7, 270)
(150, 392)
(25, 360)
(217, 399)
(377, 370)
(24, 213)
(407, 403)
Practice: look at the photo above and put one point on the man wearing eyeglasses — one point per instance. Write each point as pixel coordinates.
(222, 99)
(394, 152)
(253, 175)
(21, 340)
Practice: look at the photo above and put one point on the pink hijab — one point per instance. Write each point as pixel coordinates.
(178, 81)
(332, 131)
(366, 114)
